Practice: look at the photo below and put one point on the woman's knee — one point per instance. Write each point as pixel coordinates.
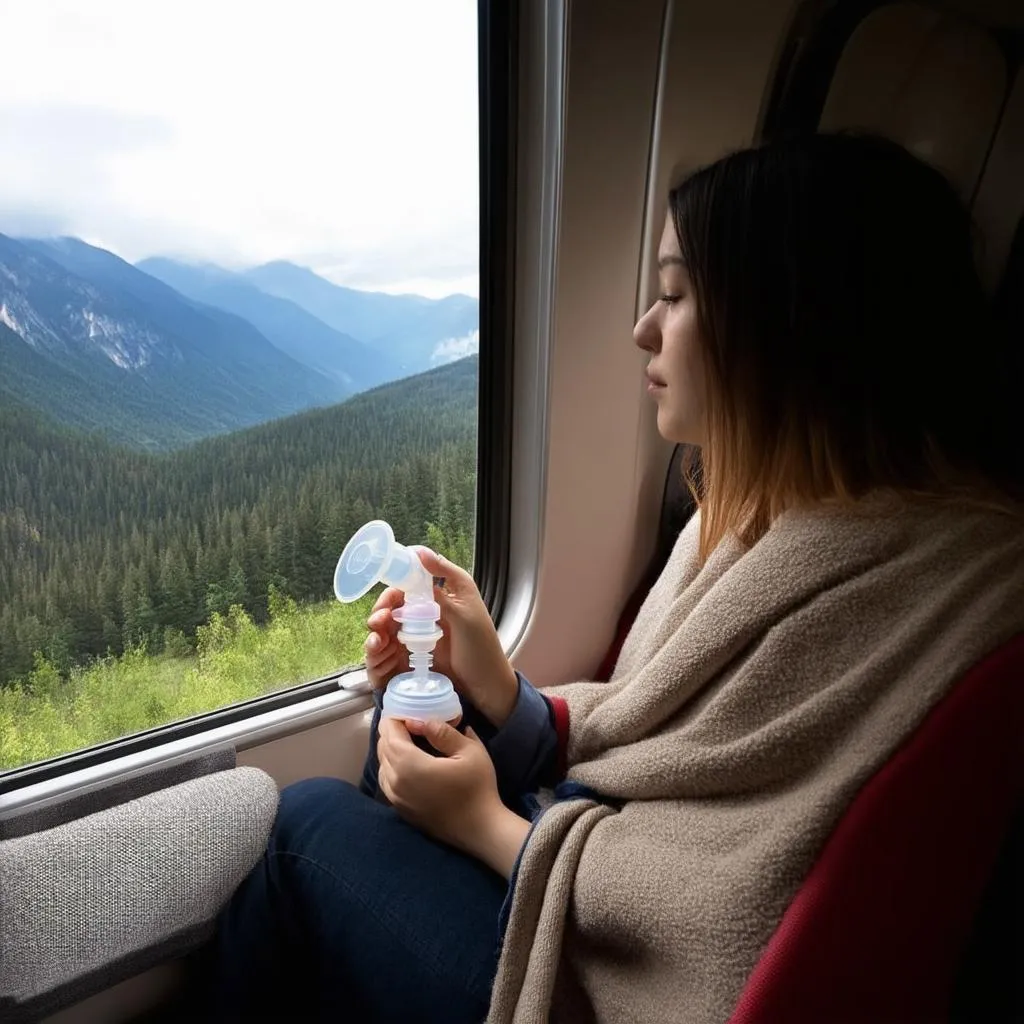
(315, 789)
(305, 805)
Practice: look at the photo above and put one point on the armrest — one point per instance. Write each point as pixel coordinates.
(92, 901)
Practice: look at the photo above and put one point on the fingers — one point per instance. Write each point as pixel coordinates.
(383, 748)
(395, 746)
(389, 780)
(390, 598)
(457, 580)
(440, 735)
(383, 622)
(393, 734)
(384, 783)
(383, 653)
(378, 646)
(383, 658)
(380, 675)
(380, 672)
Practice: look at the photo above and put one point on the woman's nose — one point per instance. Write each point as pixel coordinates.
(646, 334)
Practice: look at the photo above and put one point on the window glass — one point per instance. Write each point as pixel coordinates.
(238, 319)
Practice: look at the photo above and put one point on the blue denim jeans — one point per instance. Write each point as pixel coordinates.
(354, 915)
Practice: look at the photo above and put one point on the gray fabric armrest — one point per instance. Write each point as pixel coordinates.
(25, 821)
(85, 895)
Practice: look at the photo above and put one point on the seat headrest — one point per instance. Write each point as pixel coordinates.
(928, 80)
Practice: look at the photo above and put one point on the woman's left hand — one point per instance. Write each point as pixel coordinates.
(453, 798)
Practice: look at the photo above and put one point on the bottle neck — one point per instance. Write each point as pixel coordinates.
(420, 663)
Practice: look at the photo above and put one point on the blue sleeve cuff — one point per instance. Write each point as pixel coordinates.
(524, 746)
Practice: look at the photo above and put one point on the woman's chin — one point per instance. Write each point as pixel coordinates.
(675, 429)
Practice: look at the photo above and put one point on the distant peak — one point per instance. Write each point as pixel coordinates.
(158, 264)
(279, 266)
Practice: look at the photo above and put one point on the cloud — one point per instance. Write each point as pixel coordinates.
(414, 266)
(341, 136)
(55, 172)
(450, 349)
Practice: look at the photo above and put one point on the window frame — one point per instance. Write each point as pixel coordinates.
(498, 104)
(254, 721)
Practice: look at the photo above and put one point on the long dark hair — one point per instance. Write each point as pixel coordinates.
(849, 341)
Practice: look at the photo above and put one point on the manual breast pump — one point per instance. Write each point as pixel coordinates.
(373, 556)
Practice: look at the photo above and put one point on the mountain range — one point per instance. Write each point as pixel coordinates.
(160, 354)
(409, 328)
(286, 324)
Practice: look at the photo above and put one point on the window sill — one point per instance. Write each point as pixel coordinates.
(349, 698)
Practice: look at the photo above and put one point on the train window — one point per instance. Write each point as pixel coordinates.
(239, 264)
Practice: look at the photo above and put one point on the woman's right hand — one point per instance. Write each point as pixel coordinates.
(469, 653)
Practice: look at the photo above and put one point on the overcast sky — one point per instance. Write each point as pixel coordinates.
(339, 134)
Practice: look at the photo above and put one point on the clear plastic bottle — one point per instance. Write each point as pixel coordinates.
(373, 556)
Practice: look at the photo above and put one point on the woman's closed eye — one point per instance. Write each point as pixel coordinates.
(669, 299)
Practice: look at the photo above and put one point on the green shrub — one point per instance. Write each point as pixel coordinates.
(48, 713)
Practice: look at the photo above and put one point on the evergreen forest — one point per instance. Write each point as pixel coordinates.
(108, 551)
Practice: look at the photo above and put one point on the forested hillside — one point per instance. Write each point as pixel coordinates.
(104, 546)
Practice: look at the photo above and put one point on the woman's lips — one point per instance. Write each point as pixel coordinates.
(654, 383)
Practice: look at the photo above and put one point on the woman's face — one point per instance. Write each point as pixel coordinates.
(668, 332)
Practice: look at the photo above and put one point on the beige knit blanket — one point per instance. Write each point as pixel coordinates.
(752, 699)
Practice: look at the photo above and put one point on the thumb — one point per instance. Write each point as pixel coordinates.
(440, 735)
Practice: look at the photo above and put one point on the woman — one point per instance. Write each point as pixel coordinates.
(858, 547)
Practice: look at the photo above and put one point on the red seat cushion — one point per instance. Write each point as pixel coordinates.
(877, 929)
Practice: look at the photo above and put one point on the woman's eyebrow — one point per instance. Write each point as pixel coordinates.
(671, 260)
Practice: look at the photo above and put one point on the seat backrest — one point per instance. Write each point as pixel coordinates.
(881, 923)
